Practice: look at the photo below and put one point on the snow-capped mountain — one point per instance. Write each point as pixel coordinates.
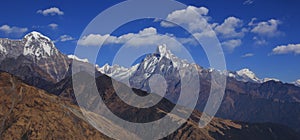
(151, 63)
(172, 68)
(297, 83)
(246, 75)
(161, 60)
(38, 46)
(164, 60)
(33, 56)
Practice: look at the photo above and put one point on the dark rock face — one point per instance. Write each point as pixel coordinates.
(268, 102)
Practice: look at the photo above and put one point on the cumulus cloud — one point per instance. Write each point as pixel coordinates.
(51, 11)
(266, 28)
(247, 55)
(229, 28)
(148, 36)
(13, 30)
(193, 18)
(197, 21)
(53, 26)
(230, 45)
(286, 49)
(65, 38)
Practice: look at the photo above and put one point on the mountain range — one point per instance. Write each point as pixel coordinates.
(247, 98)
(261, 108)
(244, 75)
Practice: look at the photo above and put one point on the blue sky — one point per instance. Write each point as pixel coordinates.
(269, 45)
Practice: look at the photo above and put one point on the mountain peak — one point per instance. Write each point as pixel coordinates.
(38, 45)
(247, 75)
(246, 72)
(36, 35)
(162, 49)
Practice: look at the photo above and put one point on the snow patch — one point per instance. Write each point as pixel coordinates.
(78, 59)
(270, 79)
(3, 50)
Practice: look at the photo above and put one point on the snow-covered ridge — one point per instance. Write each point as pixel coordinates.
(270, 79)
(118, 72)
(150, 63)
(78, 59)
(246, 75)
(38, 45)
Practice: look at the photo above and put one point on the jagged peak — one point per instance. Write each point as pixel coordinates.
(163, 51)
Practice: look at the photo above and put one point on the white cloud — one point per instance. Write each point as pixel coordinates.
(15, 30)
(197, 21)
(230, 45)
(53, 26)
(286, 49)
(266, 28)
(148, 36)
(251, 23)
(51, 11)
(259, 41)
(92, 40)
(65, 38)
(228, 29)
(193, 18)
(247, 55)
(248, 2)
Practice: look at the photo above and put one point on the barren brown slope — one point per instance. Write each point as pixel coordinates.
(217, 129)
(29, 113)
